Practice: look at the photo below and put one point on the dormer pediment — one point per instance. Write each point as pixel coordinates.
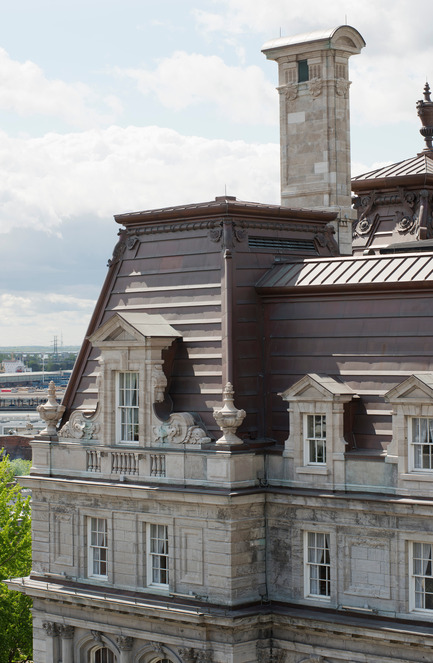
(126, 329)
(314, 387)
(417, 388)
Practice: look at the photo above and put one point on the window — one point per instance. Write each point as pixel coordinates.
(97, 548)
(103, 655)
(315, 439)
(422, 441)
(422, 576)
(158, 556)
(317, 565)
(128, 404)
(303, 74)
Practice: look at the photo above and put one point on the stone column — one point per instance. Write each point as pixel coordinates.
(52, 632)
(124, 642)
(67, 635)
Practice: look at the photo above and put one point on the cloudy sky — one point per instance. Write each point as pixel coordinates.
(109, 106)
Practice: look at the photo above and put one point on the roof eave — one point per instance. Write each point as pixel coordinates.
(217, 209)
(420, 179)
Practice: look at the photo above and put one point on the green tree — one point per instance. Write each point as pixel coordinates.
(15, 560)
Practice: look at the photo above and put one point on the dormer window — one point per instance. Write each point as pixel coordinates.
(315, 440)
(127, 407)
(422, 443)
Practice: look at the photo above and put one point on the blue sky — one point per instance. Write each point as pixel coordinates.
(108, 106)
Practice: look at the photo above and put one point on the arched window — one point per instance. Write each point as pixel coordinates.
(102, 655)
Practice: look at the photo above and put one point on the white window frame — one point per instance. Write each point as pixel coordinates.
(421, 576)
(417, 447)
(313, 440)
(317, 565)
(97, 547)
(157, 556)
(127, 415)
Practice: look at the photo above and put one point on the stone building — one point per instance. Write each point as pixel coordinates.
(243, 470)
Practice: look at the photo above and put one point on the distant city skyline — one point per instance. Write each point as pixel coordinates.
(108, 107)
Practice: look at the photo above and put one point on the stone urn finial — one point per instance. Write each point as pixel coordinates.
(229, 418)
(425, 111)
(50, 412)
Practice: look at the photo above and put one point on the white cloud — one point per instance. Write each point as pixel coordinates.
(31, 318)
(46, 181)
(389, 74)
(241, 94)
(25, 90)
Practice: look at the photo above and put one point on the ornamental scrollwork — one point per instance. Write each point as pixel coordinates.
(180, 428)
(50, 628)
(66, 631)
(215, 234)
(131, 241)
(325, 238)
(80, 427)
(405, 224)
(124, 642)
(118, 250)
(290, 91)
(315, 86)
(342, 87)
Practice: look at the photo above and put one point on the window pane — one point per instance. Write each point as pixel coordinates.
(318, 564)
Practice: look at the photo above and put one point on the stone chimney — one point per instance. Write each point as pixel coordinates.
(315, 122)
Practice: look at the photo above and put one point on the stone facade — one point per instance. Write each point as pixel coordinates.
(180, 513)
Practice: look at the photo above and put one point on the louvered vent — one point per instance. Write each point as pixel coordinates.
(282, 244)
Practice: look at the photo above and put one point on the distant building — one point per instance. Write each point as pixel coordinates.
(14, 366)
(244, 469)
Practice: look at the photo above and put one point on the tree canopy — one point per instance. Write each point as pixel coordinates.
(15, 561)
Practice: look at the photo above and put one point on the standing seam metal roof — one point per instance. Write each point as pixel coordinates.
(401, 268)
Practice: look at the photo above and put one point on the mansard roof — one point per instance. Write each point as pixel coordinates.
(417, 170)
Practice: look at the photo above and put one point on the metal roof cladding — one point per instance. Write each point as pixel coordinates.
(344, 271)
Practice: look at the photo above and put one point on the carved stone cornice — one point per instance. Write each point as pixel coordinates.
(177, 226)
(124, 642)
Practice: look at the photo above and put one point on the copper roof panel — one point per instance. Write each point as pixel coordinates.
(313, 272)
(421, 164)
